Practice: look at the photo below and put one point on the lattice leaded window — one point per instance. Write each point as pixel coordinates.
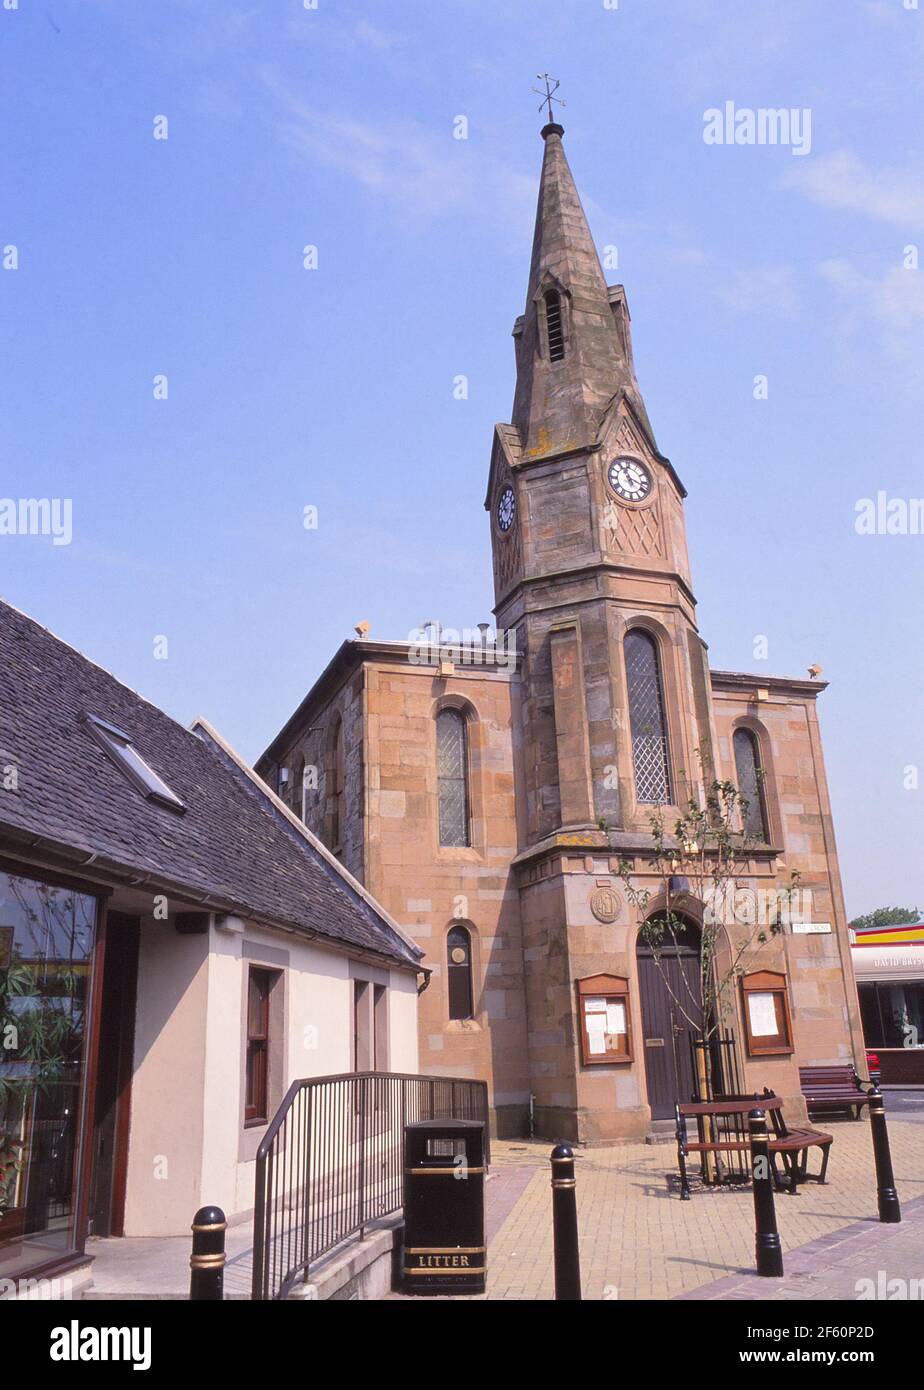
(748, 771)
(646, 717)
(452, 777)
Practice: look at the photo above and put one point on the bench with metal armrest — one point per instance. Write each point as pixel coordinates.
(722, 1128)
(833, 1088)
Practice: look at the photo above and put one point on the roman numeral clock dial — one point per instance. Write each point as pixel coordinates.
(629, 479)
(506, 510)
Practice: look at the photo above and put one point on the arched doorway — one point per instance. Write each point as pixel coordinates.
(670, 989)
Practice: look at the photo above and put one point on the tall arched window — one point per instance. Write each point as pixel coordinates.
(452, 777)
(750, 783)
(335, 787)
(459, 973)
(646, 717)
(553, 323)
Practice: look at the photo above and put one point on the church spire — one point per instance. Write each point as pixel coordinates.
(574, 353)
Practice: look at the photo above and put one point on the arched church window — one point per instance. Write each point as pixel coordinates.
(750, 783)
(554, 327)
(298, 789)
(452, 777)
(459, 973)
(646, 718)
(335, 787)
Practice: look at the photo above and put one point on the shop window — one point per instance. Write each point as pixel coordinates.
(47, 939)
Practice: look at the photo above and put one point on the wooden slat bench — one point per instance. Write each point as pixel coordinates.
(833, 1088)
(727, 1119)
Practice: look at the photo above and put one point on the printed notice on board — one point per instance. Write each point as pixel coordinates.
(615, 1016)
(762, 1012)
(596, 1033)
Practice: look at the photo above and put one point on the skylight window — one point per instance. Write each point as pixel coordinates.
(126, 757)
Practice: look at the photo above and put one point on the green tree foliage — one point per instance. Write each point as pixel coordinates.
(886, 917)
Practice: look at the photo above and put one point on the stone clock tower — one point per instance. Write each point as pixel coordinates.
(488, 805)
(591, 570)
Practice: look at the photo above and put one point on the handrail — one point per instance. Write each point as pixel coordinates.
(332, 1160)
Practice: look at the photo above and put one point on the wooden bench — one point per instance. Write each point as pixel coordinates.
(833, 1088)
(726, 1121)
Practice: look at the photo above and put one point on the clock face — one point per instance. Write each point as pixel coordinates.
(630, 479)
(506, 509)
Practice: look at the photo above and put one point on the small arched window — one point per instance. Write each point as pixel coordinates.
(452, 777)
(335, 787)
(750, 776)
(298, 789)
(459, 973)
(554, 327)
(646, 717)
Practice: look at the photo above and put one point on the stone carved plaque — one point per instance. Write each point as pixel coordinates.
(605, 904)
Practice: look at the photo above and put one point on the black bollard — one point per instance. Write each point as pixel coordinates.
(565, 1227)
(207, 1261)
(889, 1206)
(767, 1239)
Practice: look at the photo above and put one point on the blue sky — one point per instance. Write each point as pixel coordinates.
(334, 387)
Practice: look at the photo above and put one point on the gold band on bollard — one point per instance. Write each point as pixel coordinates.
(564, 1182)
(216, 1226)
(206, 1261)
(458, 1173)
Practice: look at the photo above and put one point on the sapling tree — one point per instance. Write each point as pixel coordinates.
(696, 863)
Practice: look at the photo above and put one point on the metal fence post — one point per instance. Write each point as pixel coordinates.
(363, 1102)
(889, 1206)
(565, 1227)
(207, 1261)
(767, 1238)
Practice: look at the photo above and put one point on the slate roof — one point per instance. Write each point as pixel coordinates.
(235, 848)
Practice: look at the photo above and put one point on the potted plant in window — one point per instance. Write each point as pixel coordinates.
(12, 1218)
(37, 1036)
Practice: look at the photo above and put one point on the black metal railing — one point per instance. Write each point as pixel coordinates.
(332, 1162)
(715, 1065)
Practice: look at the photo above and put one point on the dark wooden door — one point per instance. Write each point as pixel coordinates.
(114, 1076)
(665, 1029)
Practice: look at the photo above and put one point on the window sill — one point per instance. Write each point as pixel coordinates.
(463, 1025)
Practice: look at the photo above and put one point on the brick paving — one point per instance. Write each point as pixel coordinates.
(866, 1259)
(639, 1241)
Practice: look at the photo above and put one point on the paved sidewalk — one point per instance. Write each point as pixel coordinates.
(865, 1261)
(639, 1241)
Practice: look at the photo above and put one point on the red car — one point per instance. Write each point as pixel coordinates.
(872, 1066)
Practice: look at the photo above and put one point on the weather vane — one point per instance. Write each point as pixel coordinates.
(548, 96)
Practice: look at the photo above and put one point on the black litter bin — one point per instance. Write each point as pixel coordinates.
(444, 1207)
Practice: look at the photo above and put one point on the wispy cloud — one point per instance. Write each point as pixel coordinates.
(374, 37)
(407, 165)
(895, 299)
(762, 289)
(842, 181)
